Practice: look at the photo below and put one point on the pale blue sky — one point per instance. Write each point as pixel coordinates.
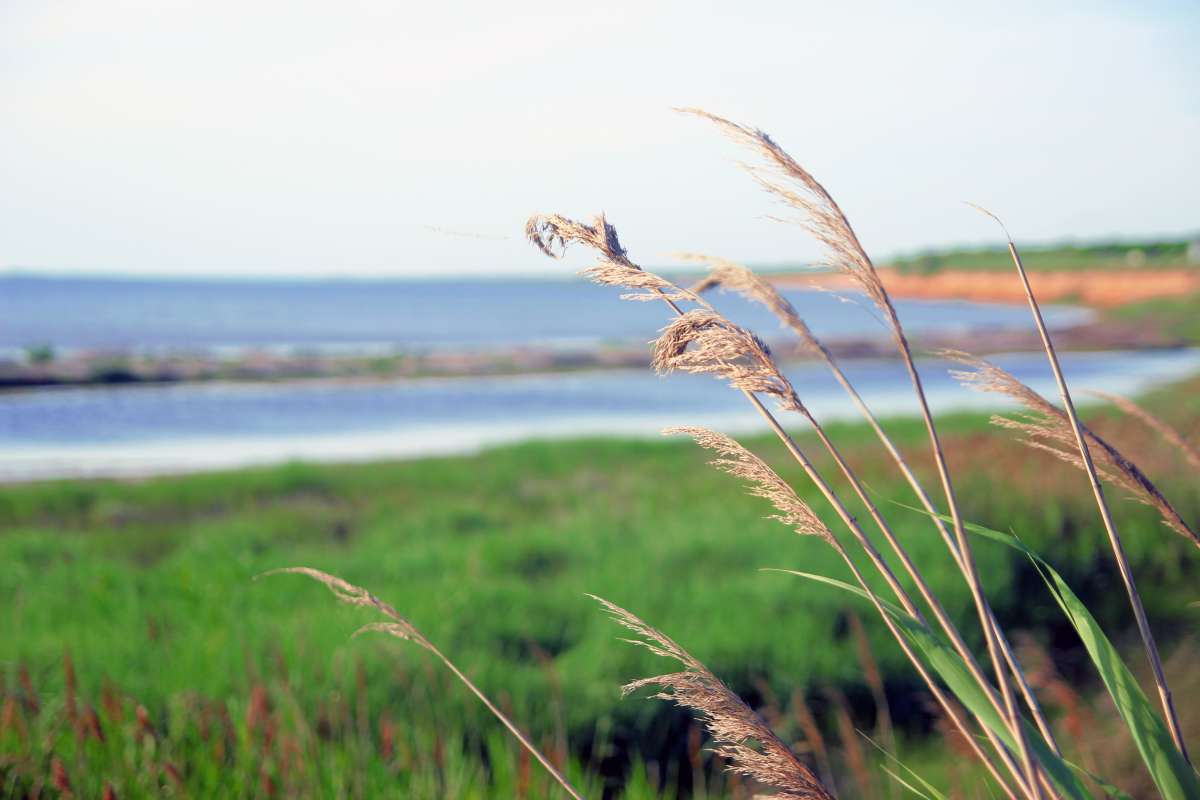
(397, 138)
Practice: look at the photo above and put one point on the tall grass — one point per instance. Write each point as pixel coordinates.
(986, 708)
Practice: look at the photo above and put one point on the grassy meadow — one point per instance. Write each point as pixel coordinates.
(1149, 254)
(140, 653)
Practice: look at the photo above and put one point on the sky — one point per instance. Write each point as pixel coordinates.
(363, 138)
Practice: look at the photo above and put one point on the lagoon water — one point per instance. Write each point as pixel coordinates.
(158, 429)
(138, 430)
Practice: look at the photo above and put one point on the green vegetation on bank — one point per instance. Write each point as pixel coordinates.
(1177, 317)
(148, 589)
(1148, 254)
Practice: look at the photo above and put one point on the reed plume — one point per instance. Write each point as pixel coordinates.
(763, 481)
(1189, 451)
(1046, 427)
(730, 276)
(794, 512)
(820, 215)
(703, 342)
(551, 233)
(742, 736)
(401, 628)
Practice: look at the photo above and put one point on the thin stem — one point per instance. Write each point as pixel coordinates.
(1006, 649)
(512, 728)
(938, 694)
(889, 576)
(967, 560)
(852, 525)
(1114, 538)
(911, 568)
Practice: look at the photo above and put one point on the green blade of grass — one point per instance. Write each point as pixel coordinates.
(1109, 789)
(908, 785)
(1169, 770)
(928, 791)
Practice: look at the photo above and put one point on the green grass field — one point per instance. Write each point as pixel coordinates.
(1149, 254)
(254, 687)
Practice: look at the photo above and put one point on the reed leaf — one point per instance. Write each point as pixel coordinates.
(1173, 776)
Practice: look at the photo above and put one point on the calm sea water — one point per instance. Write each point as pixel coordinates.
(136, 430)
(149, 315)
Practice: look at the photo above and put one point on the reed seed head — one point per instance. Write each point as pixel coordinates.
(703, 342)
(741, 735)
(1188, 450)
(820, 215)
(551, 233)
(763, 481)
(353, 595)
(1047, 427)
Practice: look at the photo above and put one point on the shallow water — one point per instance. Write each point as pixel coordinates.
(181, 428)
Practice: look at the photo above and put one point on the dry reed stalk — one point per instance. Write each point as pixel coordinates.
(856, 758)
(1188, 450)
(813, 736)
(1110, 526)
(757, 368)
(742, 737)
(883, 713)
(794, 512)
(728, 275)
(747, 282)
(876, 558)
(821, 216)
(401, 628)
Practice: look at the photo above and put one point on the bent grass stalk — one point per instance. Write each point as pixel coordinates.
(824, 219)
(401, 628)
(1110, 527)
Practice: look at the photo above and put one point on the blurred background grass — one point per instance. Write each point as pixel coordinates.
(147, 588)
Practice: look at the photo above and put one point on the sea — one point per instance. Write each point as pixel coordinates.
(138, 430)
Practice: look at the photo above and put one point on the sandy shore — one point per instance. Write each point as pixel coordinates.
(1096, 288)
